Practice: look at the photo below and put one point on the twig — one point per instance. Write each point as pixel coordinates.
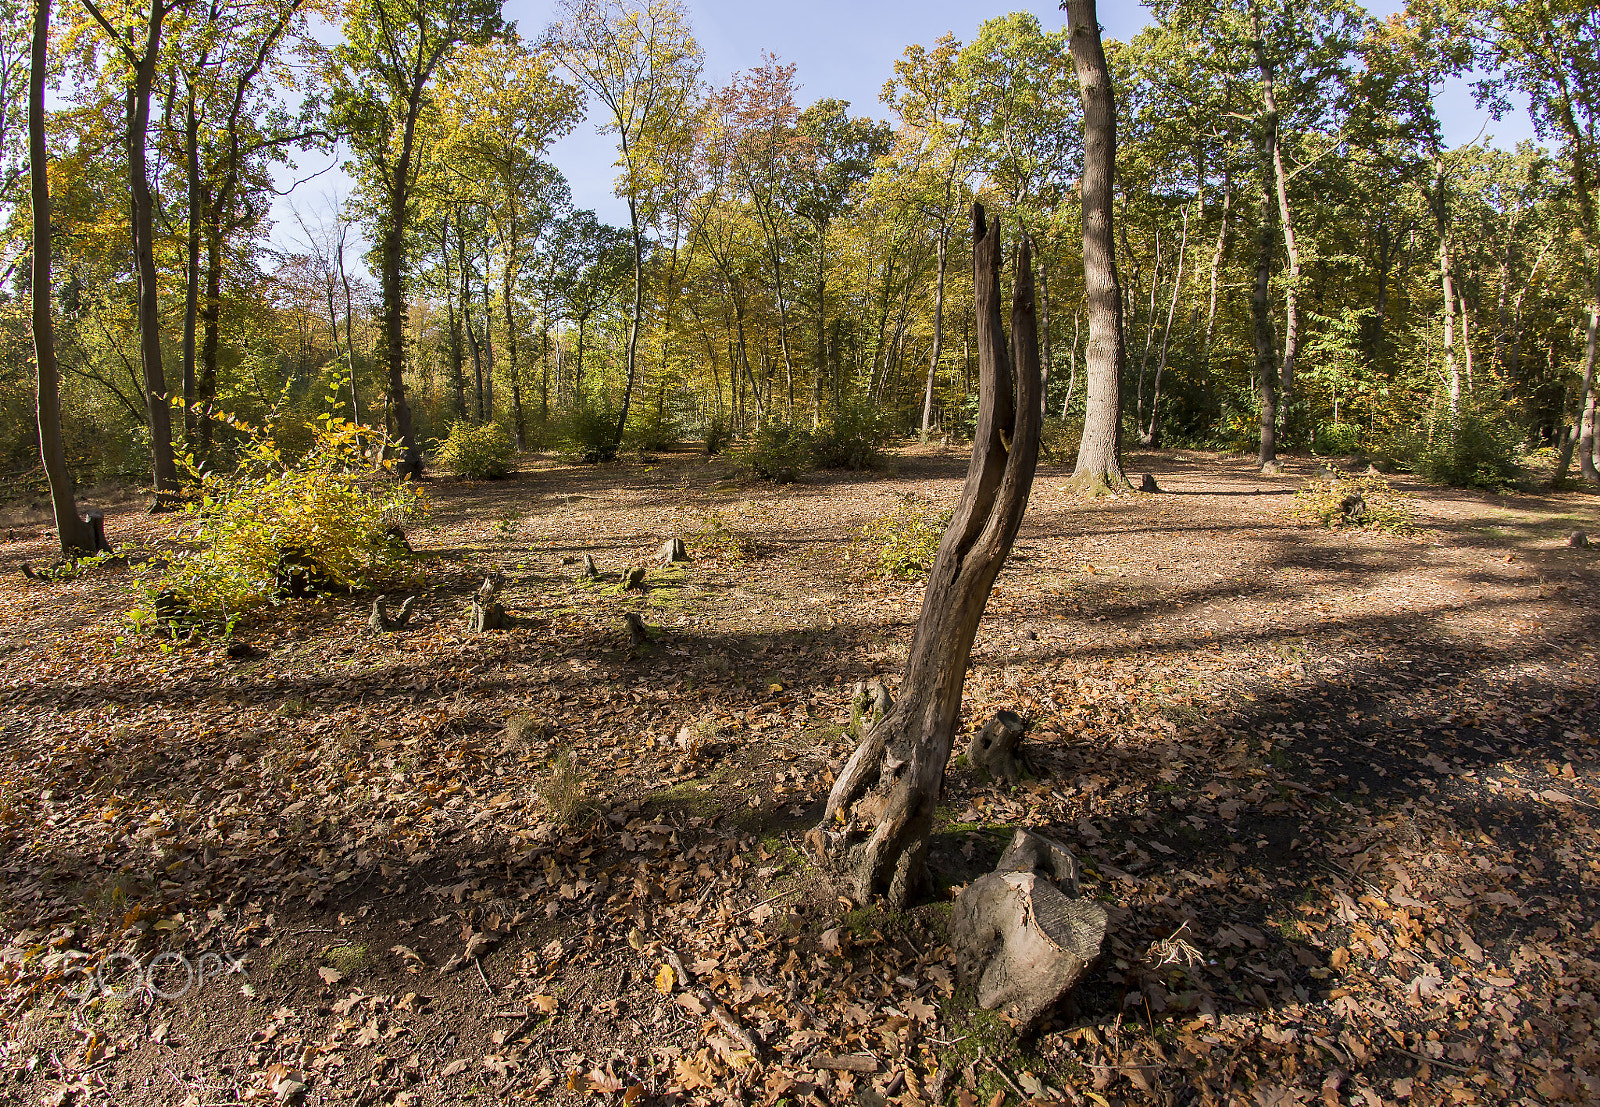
(1432, 1061)
(479, 964)
(1004, 1075)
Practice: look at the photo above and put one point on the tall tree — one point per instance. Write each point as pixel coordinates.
(1100, 449)
(639, 59)
(391, 52)
(74, 535)
(138, 44)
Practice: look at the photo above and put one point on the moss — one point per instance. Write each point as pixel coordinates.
(347, 959)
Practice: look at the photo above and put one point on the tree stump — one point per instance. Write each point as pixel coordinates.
(380, 622)
(672, 551)
(1578, 540)
(95, 520)
(993, 750)
(589, 570)
(1353, 509)
(1021, 932)
(1272, 468)
(633, 579)
(397, 536)
(486, 614)
(1147, 483)
(637, 635)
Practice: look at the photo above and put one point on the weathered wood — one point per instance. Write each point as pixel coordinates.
(1578, 540)
(589, 570)
(637, 635)
(1353, 508)
(993, 750)
(850, 1062)
(672, 551)
(380, 622)
(1147, 483)
(633, 579)
(869, 703)
(880, 811)
(1021, 933)
(486, 613)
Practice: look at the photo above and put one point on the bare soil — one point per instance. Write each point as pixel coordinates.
(1336, 789)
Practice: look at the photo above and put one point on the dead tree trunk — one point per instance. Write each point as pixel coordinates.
(1021, 932)
(879, 815)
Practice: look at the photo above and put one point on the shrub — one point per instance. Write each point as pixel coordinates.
(1058, 441)
(851, 440)
(777, 451)
(718, 434)
(588, 435)
(1338, 439)
(477, 452)
(325, 518)
(1475, 453)
(906, 539)
(654, 429)
(1367, 502)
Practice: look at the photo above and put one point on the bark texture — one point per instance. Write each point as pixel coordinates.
(1100, 449)
(879, 814)
(74, 534)
(1022, 934)
(993, 750)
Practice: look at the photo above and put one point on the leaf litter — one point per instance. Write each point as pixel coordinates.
(1335, 789)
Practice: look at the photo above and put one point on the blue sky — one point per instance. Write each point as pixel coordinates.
(842, 49)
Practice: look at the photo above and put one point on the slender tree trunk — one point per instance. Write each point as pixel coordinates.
(938, 335)
(349, 329)
(157, 403)
(1149, 336)
(1216, 264)
(1582, 434)
(1266, 369)
(211, 331)
(1152, 436)
(637, 317)
(511, 345)
(74, 536)
(1046, 354)
(458, 379)
(1291, 292)
(191, 257)
(488, 344)
(1100, 449)
(821, 358)
(394, 320)
(880, 812)
(1072, 361)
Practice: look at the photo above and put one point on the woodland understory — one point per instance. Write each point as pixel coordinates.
(1335, 789)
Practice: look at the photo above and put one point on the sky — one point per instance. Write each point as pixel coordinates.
(844, 49)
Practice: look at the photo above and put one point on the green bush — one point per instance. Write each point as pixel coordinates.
(905, 540)
(1058, 441)
(324, 518)
(718, 434)
(588, 435)
(477, 452)
(852, 439)
(777, 451)
(654, 429)
(1367, 502)
(1476, 452)
(1338, 439)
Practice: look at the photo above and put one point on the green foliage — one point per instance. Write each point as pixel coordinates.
(588, 434)
(1058, 441)
(326, 512)
(852, 439)
(1366, 502)
(477, 452)
(906, 539)
(713, 539)
(778, 451)
(654, 429)
(1477, 452)
(1338, 439)
(718, 434)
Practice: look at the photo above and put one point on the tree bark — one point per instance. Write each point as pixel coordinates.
(638, 308)
(191, 258)
(74, 535)
(1100, 449)
(938, 336)
(1152, 437)
(1266, 369)
(889, 788)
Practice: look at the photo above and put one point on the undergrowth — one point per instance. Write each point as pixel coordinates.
(905, 539)
(482, 452)
(1361, 502)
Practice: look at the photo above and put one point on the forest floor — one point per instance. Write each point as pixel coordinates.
(1337, 791)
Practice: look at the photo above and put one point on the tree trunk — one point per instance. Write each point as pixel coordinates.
(938, 336)
(1149, 335)
(158, 406)
(1266, 369)
(349, 329)
(1100, 449)
(1582, 434)
(1072, 362)
(638, 313)
(394, 312)
(821, 358)
(488, 347)
(901, 761)
(73, 534)
(511, 347)
(458, 378)
(211, 331)
(191, 258)
(1152, 437)
(1216, 264)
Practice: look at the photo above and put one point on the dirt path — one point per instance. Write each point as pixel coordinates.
(1355, 773)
